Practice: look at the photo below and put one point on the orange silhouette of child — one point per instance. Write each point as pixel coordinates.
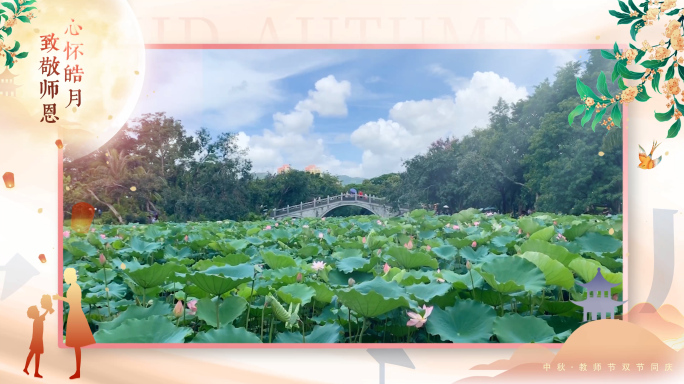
(36, 347)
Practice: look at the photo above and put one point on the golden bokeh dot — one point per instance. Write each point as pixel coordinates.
(598, 37)
(74, 109)
(601, 153)
(123, 266)
(36, 30)
(611, 231)
(110, 117)
(108, 162)
(667, 153)
(137, 72)
(107, 154)
(40, 210)
(133, 188)
(67, 188)
(107, 289)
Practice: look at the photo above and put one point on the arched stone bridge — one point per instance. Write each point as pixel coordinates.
(321, 207)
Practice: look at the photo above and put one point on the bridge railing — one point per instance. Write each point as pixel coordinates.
(321, 202)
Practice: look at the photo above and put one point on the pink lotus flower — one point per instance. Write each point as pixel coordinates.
(323, 218)
(476, 223)
(102, 236)
(561, 237)
(468, 265)
(267, 227)
(185, 238)
(320, 235)
(66, 234)
(363, 240)
(519, 231)
(418, 320)
(103, 259)
(178, 309)
(555, 223)
(299, 277)
(379, 251)
(474, 244)
(386, 268)
(92, 230)
(489, 214)
(134, 227)
(456, 227)
(318, 265)
(409, 245)
(379, 222)
(276, 224)
(192, 307)
(351, 282)
(428, 248)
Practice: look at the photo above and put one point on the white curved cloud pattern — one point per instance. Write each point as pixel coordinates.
(413, 125)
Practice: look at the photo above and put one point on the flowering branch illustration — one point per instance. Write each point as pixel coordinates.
(666, 56)
(10, 13)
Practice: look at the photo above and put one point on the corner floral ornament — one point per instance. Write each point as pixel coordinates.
(12, 12)
(664, 60)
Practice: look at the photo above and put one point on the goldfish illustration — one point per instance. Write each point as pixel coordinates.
(647, 161)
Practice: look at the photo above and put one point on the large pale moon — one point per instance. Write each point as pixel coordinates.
(113, 63)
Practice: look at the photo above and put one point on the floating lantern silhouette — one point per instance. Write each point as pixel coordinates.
(59, 144)
(82, 215)
(8, 178)
(42, 258)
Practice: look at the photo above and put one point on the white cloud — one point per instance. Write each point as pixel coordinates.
(329, 98)
(413, 125)
(295, 121)
(562, 56)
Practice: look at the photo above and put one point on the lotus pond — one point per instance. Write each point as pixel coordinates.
(420, 278)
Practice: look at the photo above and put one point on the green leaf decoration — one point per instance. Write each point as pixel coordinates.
(373, 298)
(598, 118)
(467, 321)
(154, 329)
(513, 274)
(665, 116)
(642, 95)
(426, 292)
(321, 334)
(296, 294)
(158, 308)
(575, 112)
(653, 64)
(555, 272)
(655, 83)
(10, 6)
(277, 261)
(229, 310)
(587, 115)
(635, 28)
(627, 74)
(602, 86)
(674, 129)
(556, 252)
(227, 334)
(607, 55)
(624, 7)
(151, 276)
(409, 260)
(513, 328)
(669, 74)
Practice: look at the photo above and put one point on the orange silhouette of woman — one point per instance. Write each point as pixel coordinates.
(78, 331)
(36, 347)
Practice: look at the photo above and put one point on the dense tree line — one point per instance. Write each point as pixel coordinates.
(527, 157)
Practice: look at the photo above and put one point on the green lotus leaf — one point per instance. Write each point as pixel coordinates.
(310, 250)
(153, 329)
(513, 328)
(559, 307)
(325, 334)
(426, 292)
(337, 278)
(116, 291)
(544, 234)
(347, 253)
(80, 249)
(479, 255)
(296, 294)
(586, 269)
(555, 272)
(151, 276)
(229, 310)
(463, 281)
(254, 240)
(227, 334)
(373, 298)
(556, 252)
(467, 321)
(528, 225)
(219, 280)
(409, 260)
(277, 261)
(597, 243)
(143, 247)
(447, 252)
(351, 264)
(286, 275)
(136, 312)
(513, 274)
(576, 231)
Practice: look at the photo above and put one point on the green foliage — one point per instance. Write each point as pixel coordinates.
(263, 287)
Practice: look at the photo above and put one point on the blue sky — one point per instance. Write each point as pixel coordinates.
(352, 112)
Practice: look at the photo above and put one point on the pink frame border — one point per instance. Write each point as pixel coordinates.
(625, 173)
